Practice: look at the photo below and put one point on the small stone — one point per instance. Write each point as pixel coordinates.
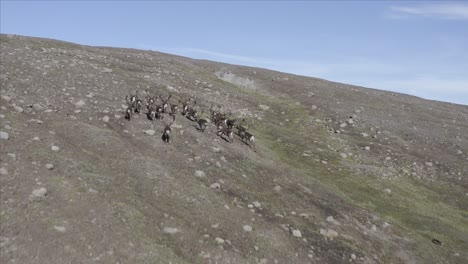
(374, 228)
(264, 107)
(19, 109)
(2, 116)
(353, 257)
(170, 230)
(330, 219)
(3, 171)
(459, 152)
(342, 125)
(199, 174)
(296, 233)
(350, 121)
(387, 190)
(367, 148)
(215, 186)
(105, 119)
(218, 164)
(257, 204)
(150, 132)
(49, 166)
(216, 149)
(429, 164)
(6, 98)
(37, 107)
(80, 103)
(39, 193)
(4, 135)
(247, 228)
(277, 188)
(61, 229)
(343, 155)
(330, 233)
(55, 148)
(364, 134)
(219, 240)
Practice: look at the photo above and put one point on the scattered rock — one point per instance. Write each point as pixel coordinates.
(80, 103)
(4, 135)
(257, 204)
(55, 148)
(247, 228)
(353, 257)
(374, 228)
(330, 233)
(218, 164)
(60, 229)
(216, 149)
(150, 132)
(199, 174)
(105, 119)
(3, 171)
(264, 107)
(387, 190)
(49, 166)
(219, 240)
(37, 107)
(429, 164)
(330, 219)
(19, 109)
(170, 230)
(364, 134)
(2, 116)
(277, 188)
(296, 233)
(367, 148)
(215, 186)
(39, 193)
(6, 98)
(343, 155)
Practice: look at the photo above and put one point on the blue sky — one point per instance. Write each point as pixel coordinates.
(412, 47)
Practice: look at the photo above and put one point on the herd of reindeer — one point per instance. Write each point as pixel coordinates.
(224, 123)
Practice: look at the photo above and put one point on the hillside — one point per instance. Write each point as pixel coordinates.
(339, 173)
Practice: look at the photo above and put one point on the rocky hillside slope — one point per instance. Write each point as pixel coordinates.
(340, 174)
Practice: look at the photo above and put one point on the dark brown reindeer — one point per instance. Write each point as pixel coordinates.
(185, 105)
(202, 123)
(223, 130)
(192, 113)
(167, 133)
(128, 111)
(165, 103)
(245, 136)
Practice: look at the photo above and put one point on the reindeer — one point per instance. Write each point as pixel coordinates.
(185, 105)
(150, 100)
(202, 123)
(245, 135)
(174, 108)
(224, 130)
(165, 103)
(230, 122)
(166, 137)
(135, 102)
(128, 112)
(248, 137)
(192, 112)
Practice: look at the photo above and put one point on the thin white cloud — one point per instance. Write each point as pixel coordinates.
(451, 11)
(351, 70)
